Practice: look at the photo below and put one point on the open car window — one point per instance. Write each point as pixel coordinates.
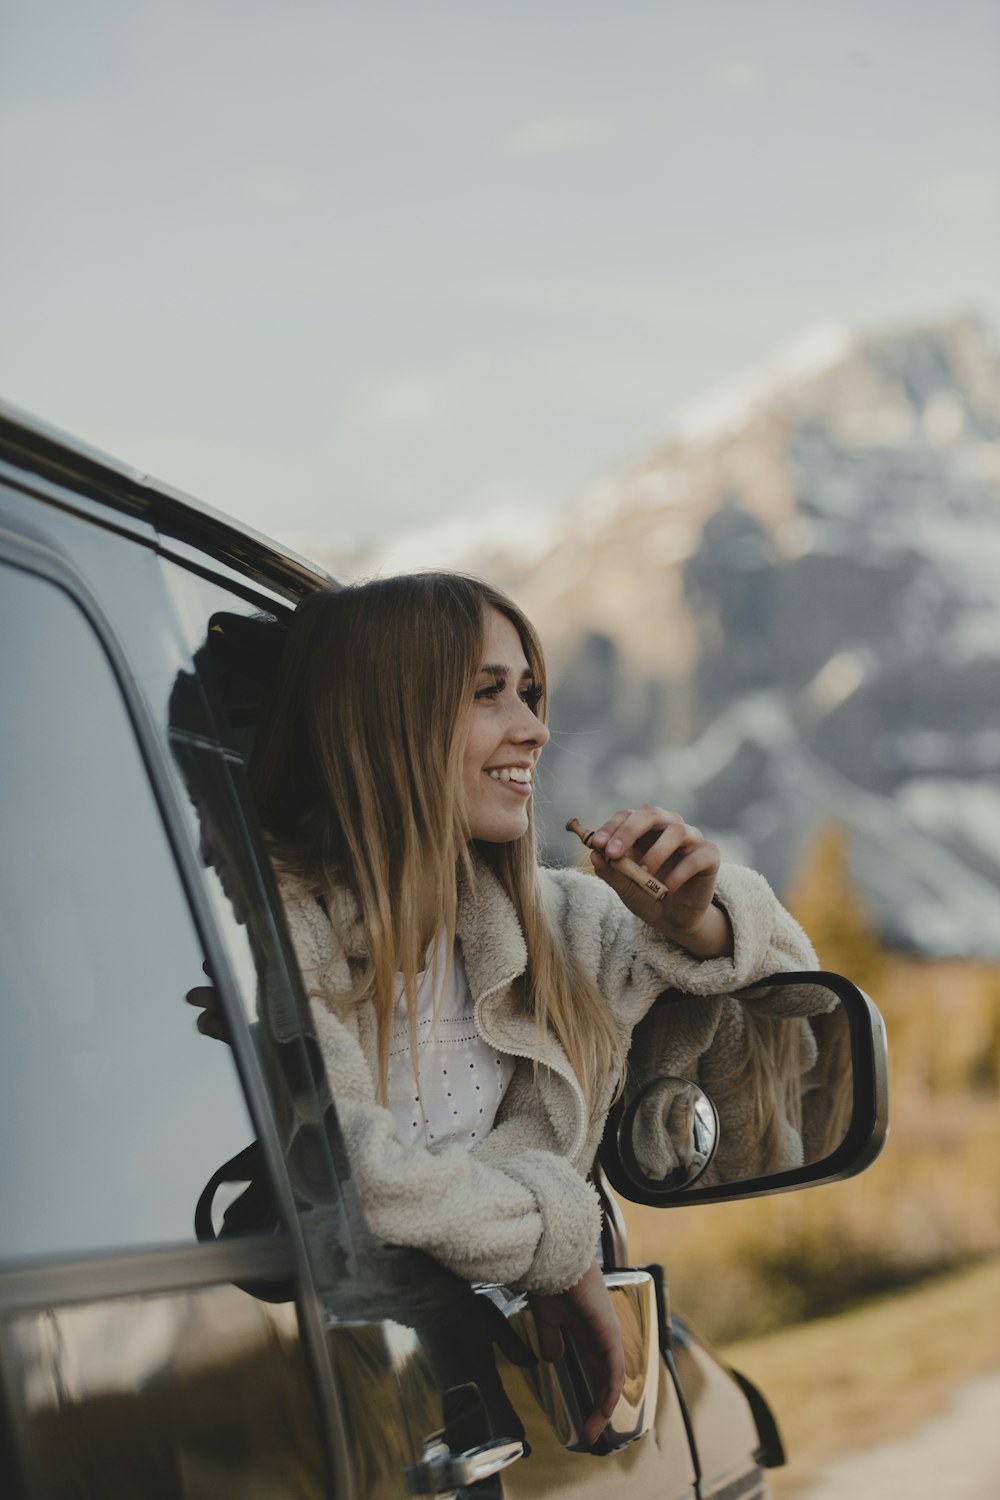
(235, 635)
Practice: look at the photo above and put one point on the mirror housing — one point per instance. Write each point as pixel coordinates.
(856, 1081)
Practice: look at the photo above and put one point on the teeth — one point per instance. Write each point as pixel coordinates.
(512, 773)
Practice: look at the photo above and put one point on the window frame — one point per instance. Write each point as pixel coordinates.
(30, 557)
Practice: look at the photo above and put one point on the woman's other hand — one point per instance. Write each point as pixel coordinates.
(211, 1022)
(682, 860)
(585, 1311)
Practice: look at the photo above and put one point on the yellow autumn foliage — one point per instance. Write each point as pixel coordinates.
(932, 1200)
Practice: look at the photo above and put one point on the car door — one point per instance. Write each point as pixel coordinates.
(131, 1360)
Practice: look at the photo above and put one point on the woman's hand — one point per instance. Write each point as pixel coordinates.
(682, 860)
(585, 1310)
(211, 1022)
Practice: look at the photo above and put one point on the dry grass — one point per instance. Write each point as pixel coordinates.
(861, 1306)
(930, 1204)
(877, 1371)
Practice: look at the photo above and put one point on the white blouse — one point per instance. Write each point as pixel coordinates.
(461, 1078)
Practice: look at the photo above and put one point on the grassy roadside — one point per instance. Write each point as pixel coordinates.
(876, 1371)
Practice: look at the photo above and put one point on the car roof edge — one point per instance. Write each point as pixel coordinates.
(120, 486)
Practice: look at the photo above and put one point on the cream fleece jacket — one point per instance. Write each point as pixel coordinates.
(517, 1209)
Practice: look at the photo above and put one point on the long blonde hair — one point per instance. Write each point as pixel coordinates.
(357, 773)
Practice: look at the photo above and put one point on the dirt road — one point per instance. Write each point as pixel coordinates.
(957, 1455)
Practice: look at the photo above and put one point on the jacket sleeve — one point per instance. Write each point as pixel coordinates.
(749, 1047)
(516, 1213)
(632, 964)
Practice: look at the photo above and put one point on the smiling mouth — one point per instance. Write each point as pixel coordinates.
(514, 779)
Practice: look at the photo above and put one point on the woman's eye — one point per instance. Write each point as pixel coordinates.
(490, 691)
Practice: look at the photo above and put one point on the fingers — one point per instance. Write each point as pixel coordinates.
(613, 1359)
(609, 1382)
(211, 1022)
(658, 840)
(620, 833)
(628, 891)
(704, 860)
(209, 1025)
(585, 1311)
(596, 1327)
(202, 995)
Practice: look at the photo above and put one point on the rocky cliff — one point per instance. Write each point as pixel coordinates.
(789, 613)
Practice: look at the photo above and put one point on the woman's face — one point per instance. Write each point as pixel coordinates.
(505, 738)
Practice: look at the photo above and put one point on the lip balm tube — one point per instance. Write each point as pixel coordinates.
(627, 866)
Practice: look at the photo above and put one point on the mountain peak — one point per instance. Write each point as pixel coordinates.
(733, 401)
(800, 592)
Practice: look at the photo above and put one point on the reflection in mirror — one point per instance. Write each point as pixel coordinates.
(669, 1133)
(775, 1072)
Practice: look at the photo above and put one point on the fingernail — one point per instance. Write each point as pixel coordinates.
(600, 839)
(615, 848)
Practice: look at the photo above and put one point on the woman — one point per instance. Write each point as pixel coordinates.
(474, 1010)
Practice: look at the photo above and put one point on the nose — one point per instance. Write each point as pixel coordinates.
(526, 728)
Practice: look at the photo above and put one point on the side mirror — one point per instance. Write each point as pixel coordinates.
(735, 1098)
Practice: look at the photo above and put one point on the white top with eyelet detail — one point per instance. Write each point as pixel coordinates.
(462, 1079)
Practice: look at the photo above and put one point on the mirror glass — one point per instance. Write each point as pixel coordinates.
(669, 1133)
(722, 1091)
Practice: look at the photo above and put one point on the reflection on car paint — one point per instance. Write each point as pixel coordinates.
(193, 1393)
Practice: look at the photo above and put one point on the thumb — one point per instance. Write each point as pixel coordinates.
(546, 1312)
(551, 1344)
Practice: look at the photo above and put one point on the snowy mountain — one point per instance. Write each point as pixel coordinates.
(790, 614)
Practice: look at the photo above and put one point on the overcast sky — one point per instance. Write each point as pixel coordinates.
(342, 268)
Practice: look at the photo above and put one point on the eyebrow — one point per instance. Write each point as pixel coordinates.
(496, 669)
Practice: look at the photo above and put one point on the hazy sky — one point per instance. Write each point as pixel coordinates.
(343, 268)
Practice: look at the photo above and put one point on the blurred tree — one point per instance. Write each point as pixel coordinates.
(822, 897)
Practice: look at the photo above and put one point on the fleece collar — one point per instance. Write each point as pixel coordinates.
(493, 947)
(494, 954)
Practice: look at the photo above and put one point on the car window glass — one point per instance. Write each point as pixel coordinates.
(236, 640)
(115, 1111)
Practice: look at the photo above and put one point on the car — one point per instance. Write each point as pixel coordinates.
(191, 1301)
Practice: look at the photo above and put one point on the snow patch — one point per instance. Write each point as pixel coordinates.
(760, 718)
(733, 401)
(519, 530)
(835, 682)
(943, 806)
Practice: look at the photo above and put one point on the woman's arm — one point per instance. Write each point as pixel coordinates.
(484, 1216)
(526, 1219)
(719, 930)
